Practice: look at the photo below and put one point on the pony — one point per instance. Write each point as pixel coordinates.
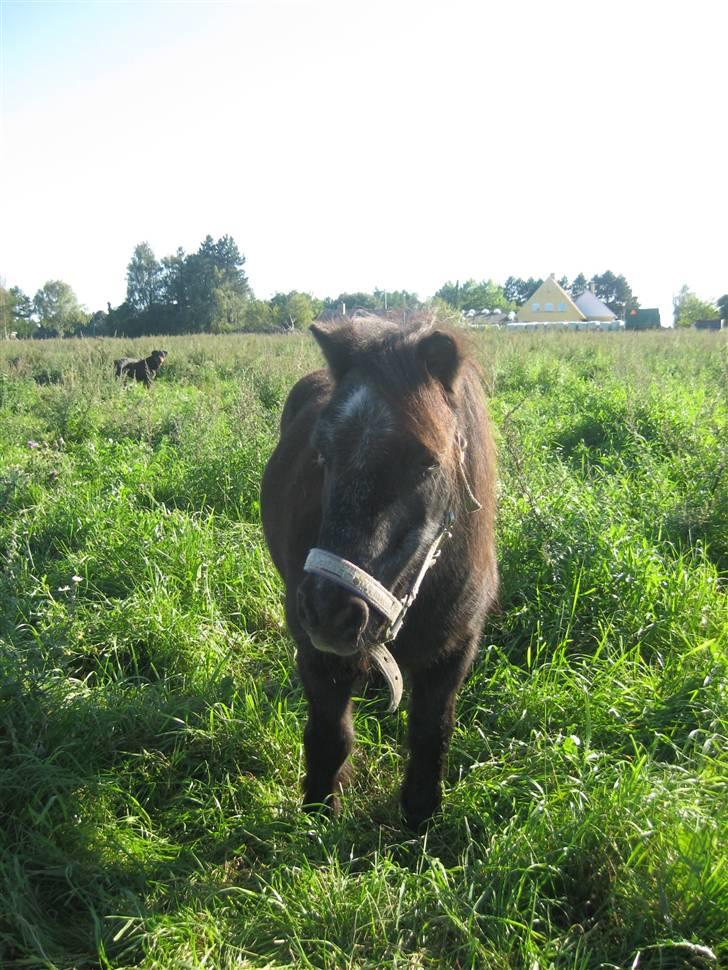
(378, 507)
(144, 369)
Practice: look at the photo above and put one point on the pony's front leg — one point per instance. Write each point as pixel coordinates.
(431, 720)
(329, 734)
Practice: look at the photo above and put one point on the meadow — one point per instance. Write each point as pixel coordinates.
(151, 719)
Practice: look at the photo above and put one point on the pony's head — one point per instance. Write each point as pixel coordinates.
(391, 453)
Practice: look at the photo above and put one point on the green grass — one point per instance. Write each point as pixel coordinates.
(151, 720)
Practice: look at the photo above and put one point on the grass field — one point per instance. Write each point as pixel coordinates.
(151, 721)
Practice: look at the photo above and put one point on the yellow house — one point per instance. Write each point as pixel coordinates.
(550, 302)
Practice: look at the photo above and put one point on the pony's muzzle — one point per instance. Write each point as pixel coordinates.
(334, 619)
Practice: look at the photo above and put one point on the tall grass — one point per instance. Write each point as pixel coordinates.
(150, 719)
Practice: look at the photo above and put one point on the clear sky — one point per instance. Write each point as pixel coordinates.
(352, 145)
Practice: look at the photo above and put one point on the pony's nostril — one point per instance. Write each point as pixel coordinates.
(351, 620)
(332, 618)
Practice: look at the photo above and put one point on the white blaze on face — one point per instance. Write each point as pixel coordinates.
(357, 403)
(372, 419)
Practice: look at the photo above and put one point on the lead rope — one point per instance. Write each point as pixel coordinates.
(471, 502)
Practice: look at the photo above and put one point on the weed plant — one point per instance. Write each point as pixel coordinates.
(151, 720)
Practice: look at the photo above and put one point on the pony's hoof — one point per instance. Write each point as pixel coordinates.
(417, 810)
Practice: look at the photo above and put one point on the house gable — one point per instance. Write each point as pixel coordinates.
(549, 302)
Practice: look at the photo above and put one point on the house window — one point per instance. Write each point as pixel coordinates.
(535, 307)
(562, 307)
(549, 308)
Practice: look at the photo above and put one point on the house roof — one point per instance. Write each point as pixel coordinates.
(592, 307)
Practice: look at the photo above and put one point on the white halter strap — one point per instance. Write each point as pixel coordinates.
(356, 580)
(351, 577)
(362, 584)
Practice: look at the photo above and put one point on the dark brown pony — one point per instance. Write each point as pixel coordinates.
(378, 456)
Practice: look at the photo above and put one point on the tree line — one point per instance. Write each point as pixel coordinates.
(688, 308)
(207, 291)
(613, 290)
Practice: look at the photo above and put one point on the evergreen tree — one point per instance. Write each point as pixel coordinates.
(517, 290)
(616, 292)
(216, 286)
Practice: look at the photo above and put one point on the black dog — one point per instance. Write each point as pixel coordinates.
(145, 369)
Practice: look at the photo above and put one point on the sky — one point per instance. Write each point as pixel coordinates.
(353, 145)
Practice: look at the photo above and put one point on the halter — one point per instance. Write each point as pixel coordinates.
(394, 609)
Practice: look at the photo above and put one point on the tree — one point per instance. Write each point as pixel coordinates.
(123, 321)
(58, 310)
(352, 301)
(396, 300)
(216, 287)
(517, 290)
(226, 310)
(616, 292)
(16, 310)
(722, 304)
(294, 310)
(490, 295)
(143, 279)
(688, 308)
(473, 295)
(450, 293)
(578, 286)
(259, 316)
(22, 304)
(97, 323)
(6, 313)
(228, 259)
(203, 291)
(172, 289)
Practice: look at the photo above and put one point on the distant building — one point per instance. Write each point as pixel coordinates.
(549, 303)
(488, 318)
(550, 307)
(642, 319)
(707, 324)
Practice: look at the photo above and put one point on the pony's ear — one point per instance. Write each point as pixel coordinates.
(336, 344)
(440, 354)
